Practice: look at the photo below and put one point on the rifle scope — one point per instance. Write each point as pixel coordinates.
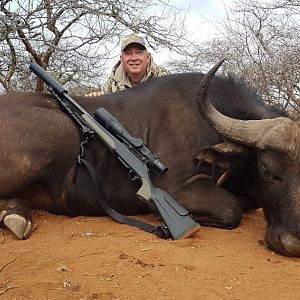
(110, 123)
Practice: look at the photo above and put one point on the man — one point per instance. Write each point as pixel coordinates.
(135, 65)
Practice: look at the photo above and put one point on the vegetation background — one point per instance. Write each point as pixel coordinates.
(78, 40)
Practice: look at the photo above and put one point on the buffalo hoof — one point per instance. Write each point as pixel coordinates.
(287, 245)
(283, 242)
(18, 225)
(291, 244)
(16, 217)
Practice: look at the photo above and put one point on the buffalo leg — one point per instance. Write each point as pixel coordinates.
(211, 205)
(16, 217)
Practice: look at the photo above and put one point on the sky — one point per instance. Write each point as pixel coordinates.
(201, 19)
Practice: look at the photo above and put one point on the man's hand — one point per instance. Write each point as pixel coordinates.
(94, 94)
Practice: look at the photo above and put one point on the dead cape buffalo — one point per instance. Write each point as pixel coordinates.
(255, 144)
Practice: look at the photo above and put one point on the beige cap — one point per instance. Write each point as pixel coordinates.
(133, 39)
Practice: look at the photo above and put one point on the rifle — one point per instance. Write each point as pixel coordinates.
(132, 153)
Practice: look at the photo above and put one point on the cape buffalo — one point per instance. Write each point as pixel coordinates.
(40, 145)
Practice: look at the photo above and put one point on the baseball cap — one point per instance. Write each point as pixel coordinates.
(133, 39)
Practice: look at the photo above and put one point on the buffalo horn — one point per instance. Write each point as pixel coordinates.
(257, 133)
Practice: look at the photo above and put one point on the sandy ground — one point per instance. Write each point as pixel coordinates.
(96, 258)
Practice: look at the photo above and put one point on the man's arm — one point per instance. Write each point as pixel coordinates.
(107, 88)
(155, 70)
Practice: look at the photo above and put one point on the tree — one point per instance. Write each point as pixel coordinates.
(261, 43)
(74, 39)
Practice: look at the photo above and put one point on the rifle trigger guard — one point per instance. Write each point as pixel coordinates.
(132, 175)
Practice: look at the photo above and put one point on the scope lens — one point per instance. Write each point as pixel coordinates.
(159, 166)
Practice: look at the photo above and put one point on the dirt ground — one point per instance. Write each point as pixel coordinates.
(96, 258)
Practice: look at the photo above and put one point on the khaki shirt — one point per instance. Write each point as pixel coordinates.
(119, 80)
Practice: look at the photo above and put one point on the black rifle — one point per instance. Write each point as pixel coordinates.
(131, 152)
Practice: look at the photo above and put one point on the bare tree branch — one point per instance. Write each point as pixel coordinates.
(77, 38)
(261, 42)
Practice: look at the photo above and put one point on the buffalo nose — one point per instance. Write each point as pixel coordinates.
(291, 244)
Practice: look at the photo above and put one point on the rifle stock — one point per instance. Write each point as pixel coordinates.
(181, 226)
(174, 215)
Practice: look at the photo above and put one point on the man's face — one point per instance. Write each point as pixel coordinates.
(135, 59)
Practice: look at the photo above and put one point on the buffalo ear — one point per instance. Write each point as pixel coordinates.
(223, 155)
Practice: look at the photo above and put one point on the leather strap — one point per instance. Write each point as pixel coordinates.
(161, 231)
